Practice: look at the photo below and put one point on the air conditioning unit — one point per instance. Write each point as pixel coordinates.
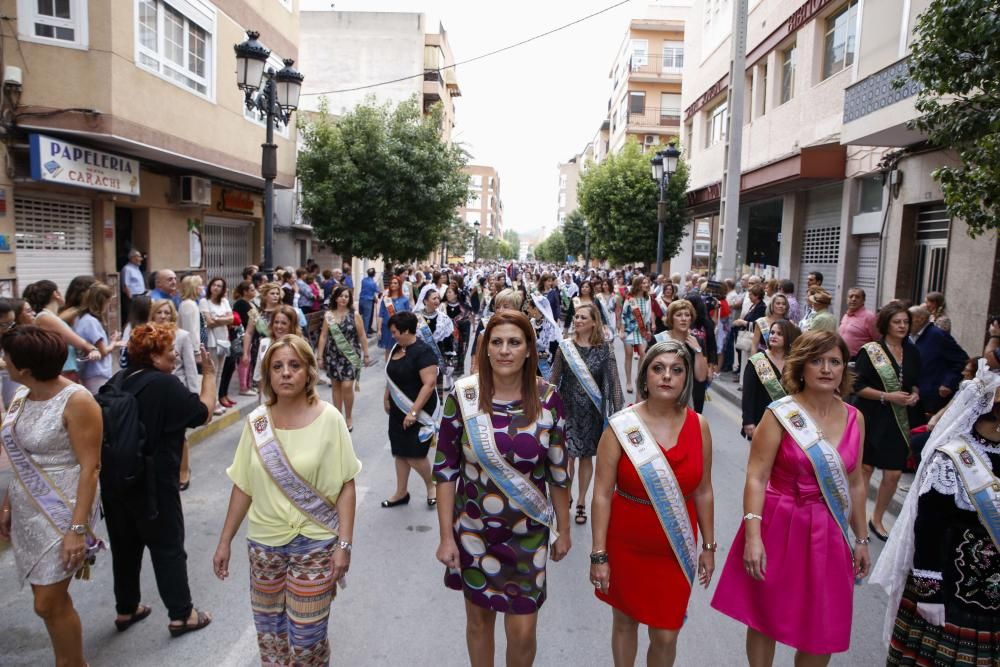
(650, 140)
(195, 191)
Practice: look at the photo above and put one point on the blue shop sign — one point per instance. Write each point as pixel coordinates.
(57, 161)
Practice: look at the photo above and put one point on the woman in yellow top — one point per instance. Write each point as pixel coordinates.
(299, 535)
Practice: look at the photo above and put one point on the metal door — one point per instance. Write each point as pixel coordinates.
(933, 223)
(227, 246)
(54, 240)
(821, 238)
(867, 269)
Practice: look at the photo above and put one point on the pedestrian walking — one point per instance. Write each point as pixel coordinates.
(644, 563)
(586, 374)
(366, 299)
(342, 343)
(217, 316)
(762, 376)
(52, 435)
(91, 325)
(148, 514)
(243, 298)
(886, 393)
(681, 317)
(413, 407)
(393, 301)
(777, 310)
(804, 494)
(435, 328)
(636, 325)
(500, 566)
(293, 476)
(942, 550)
(282, 321)
(461, 318)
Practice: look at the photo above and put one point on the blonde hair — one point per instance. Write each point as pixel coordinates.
(189, 287)
(597, 333)
(667, 347)
(264, 289)
(678, 305)
(507, 298)
(160, 303)
(304, 352)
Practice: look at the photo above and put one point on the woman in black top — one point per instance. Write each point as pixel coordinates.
(461, 317)
(243, 306)
(412, 366)
(703, 330)
(756, 397)
(887, 440)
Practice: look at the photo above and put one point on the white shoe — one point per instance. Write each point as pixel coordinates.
(220, 410)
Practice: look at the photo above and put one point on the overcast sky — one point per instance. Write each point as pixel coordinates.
(525, 110)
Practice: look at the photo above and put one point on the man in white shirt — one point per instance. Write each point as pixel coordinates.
(133, 282)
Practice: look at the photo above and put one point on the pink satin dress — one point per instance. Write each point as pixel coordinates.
(806, 597)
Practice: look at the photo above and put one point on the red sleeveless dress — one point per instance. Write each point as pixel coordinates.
(647, 582)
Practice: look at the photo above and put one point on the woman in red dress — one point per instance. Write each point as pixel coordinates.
(633, 566)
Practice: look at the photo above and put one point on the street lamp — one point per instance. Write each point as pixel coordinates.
(475, 243)
(586, 244)
(273, 95)
(663, 165)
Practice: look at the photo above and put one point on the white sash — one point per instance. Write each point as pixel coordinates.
(824, 457)
(661, 486)
(521, 491)
(980, 483)
(428, 337)
(579, 367)
(429, 424)
(662, 337)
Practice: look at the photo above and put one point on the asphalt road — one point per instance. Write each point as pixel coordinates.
(395, 610)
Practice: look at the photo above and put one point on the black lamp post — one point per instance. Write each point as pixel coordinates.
(475, 243)
(664, 164)
(586, 245)
(273, 95)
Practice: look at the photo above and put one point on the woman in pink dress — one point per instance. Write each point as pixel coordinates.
(790, 573)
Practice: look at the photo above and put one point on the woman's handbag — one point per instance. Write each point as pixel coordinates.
(744, 340)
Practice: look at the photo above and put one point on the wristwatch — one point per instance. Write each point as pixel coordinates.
(599, 558)
(413, 414)
(78, 528)
(345, 545)
(710, 546)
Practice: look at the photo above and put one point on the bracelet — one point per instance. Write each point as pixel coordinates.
(881, 398)
(599, 558)
(865, 541)
(697, 350)
(710, 546)
(750, 515)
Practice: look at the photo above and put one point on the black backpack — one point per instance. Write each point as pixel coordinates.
(124, 455)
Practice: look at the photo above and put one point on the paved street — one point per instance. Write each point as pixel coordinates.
(395, 610)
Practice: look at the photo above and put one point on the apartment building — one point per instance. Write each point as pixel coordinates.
(125, 129)
(800, 57)
(645, 101)
(570, 173)
(897, 239)
(484, 207)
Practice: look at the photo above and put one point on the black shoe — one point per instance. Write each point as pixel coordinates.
(184, 486)
(881, 536)
(405, 500)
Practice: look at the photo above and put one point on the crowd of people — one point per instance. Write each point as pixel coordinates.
(510, 451)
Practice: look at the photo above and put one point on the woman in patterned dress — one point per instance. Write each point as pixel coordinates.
(259, 325)
(629, 328)
(494, 552)
(584, 421)
(343, 374)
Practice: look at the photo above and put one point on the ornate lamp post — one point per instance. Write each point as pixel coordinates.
(273, 95)
(663, 164)
(475, 243)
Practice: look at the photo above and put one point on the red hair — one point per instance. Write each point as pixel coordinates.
(530, 389)
(147, 340)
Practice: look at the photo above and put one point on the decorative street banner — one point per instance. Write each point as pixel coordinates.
(58, 161)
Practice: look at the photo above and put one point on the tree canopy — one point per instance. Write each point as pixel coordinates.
(552, 249)
(380, 181)
(574, 231)
(619, 199)
(954, 56)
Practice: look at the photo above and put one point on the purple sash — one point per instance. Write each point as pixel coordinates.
(301, 493)
(47, 497)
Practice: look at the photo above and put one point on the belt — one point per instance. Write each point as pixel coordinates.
(627, 496)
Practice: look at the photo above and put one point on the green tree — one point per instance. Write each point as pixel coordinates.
(619, 199)
(954, 57)
(574, 231)
(380, 181)
(514, 239)
(552, 249)
(458, 236)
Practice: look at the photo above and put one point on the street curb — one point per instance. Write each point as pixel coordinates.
(726, 390)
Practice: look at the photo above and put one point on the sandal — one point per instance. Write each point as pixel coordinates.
(141, 613)
(581, 515)
(203, 621)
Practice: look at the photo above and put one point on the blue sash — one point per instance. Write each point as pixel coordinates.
(824, 457)
(661, 486)
(429, 424)
(662, 337)
(520, 490)
(980, 483)
(579, 367)
(427, 336)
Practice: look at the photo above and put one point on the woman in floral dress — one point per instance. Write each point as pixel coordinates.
(495, 553)
(344, 372)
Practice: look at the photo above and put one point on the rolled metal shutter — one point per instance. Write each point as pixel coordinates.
(227, 248)
(821, 237)
(54, 240)
(867, 269)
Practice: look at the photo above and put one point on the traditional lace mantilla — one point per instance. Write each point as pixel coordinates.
(942, 477)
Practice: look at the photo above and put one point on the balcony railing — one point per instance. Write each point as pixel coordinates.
(879, 90)
(657, 66)
(655, 117)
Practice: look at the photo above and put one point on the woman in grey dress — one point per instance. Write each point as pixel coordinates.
(37, 439)
(584, 421)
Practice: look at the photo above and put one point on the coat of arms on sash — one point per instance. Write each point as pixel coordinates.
(260, 424)
(16, 405)
(966, 458)
(796, 420)
(634, 436)
(469, 394)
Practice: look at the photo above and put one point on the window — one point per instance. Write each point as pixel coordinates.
(670, 108)
(788, 57)
(174, 45)
(716, 125)
(870, 194)
(562, 181)
(673, 55)
(640, 53)
(562, 200)
(58, 22)
(476, 181)
(473, 200)
(637, 102)
(760, 95)
(689, 136)
(840, 40)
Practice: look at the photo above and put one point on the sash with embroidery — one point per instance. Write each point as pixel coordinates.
(640, 320)
(980, 483)
(824, 457)
(890, 382)
(661, 486)
(390, 307)
(521, 491)
(429, 424)
(45, 495)
(765, 373)
(427, 336)
(345, 348)
(300, 492)
(575, 361)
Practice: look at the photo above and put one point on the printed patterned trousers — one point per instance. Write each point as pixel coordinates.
(291, 588)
